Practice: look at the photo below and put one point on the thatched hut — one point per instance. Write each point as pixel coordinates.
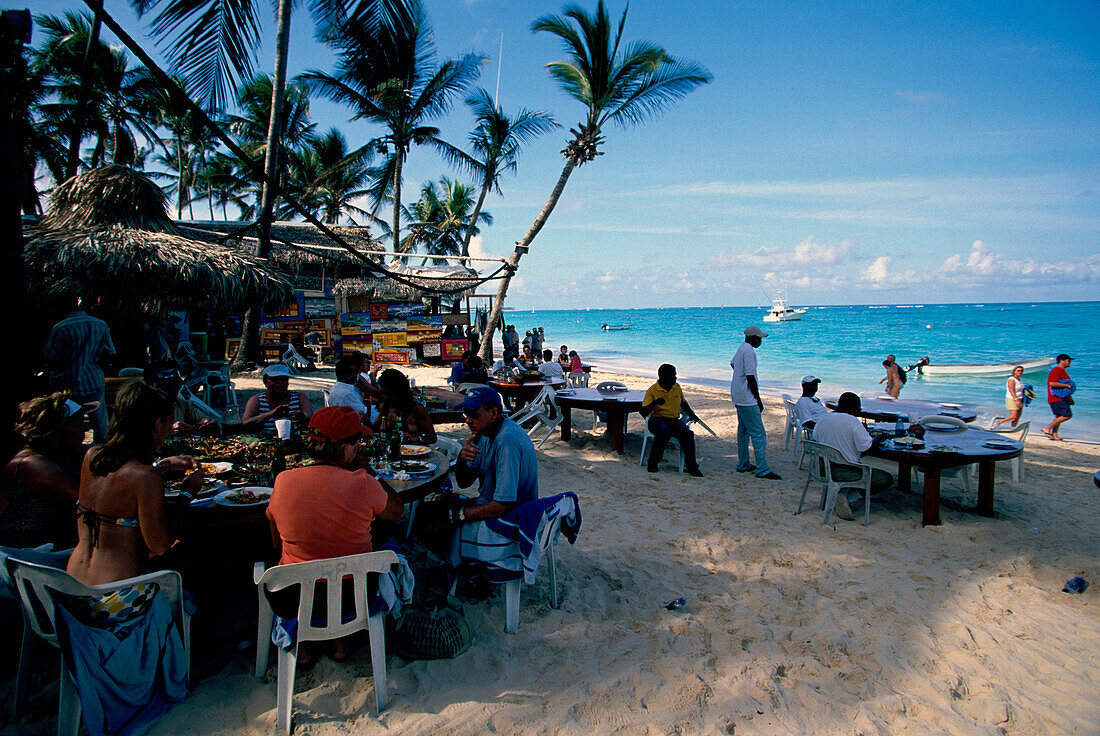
(107, 238)
(359, 291)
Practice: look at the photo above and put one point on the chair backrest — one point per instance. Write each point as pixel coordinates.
(200, 406)
(36, 585)
(306, 574)
(942, 419)
(822, 471)
(464, 387)
(448, 447)
(327, 395)
(788, 404)
(609, 385)
(578, 379)
(1020, 429)
(131, 373)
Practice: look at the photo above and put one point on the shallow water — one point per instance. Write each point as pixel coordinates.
(845, 346)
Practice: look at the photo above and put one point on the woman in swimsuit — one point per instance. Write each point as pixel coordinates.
(121, 501)
(417, 425)
(38, 487)
(1014, 396)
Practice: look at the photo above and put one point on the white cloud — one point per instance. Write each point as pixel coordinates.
(984, 266)
(807, 253)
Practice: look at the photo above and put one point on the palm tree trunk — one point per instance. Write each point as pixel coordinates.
(486, 185)
(399, 160)
(513, 262)
(250, 329)
(179, 180)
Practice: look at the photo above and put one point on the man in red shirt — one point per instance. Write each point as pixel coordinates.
(1059, 382)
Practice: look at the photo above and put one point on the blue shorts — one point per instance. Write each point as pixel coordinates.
(1061, 409)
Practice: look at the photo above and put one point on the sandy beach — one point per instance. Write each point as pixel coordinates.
(790, 626)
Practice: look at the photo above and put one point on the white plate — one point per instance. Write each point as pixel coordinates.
(214, 468)
(222, 499)
(1001, 445)
(411, 451)
(941, 427)
(886, 398)
(429, 468)
(952, 406)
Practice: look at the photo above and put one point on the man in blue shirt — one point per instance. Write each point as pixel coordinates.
(73, 352)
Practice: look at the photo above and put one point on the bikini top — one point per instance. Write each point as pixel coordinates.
(92, 519)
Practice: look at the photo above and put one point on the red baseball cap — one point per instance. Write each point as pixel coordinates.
(337, 423)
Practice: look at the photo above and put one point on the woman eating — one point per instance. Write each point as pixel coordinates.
(398, 403)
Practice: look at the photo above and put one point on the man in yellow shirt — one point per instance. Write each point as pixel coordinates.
(661, 406)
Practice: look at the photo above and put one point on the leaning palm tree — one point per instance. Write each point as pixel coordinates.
(388, 77)
(625, 86)
(441, 220)
(495, 142)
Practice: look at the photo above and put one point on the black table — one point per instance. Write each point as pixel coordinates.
(885, 410)
(616, 404)
(970, 443)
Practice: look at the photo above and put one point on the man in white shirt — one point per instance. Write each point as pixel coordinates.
(345, 392)
(843, 431)
(745, 395)
(550, 368)
(808, 409)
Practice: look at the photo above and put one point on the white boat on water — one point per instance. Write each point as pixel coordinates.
(781, 310)
(1032, 365)
(608, 327)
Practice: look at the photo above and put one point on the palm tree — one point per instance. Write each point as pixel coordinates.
(387, 76)
(495, 141)
(329, 178)
(626, 86)
(221, 178)
(186, 146)
(441, 220)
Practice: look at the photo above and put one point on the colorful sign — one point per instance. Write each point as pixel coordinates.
(379, 311)
(404, 311)
(415, 337)
(358, 344)
(453, 349)
(432, 350)
(390, 357)
(389, 340)
(355, 324)
(387, 325)
(426, 321)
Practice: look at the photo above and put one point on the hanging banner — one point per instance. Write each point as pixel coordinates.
(415, 337)
(404, 311)
(390, 357)
(390, 340)
(387, 325)
(453, 349)
(355, 324)
(426, 321)
(379, 310)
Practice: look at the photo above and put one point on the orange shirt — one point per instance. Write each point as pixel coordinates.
(324, 511)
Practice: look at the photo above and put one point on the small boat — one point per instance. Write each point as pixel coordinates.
(781, 310)
(626, 326)
(927, 368)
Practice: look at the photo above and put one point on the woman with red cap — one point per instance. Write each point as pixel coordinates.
(325, 510)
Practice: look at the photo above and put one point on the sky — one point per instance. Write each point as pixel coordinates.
(848, 153)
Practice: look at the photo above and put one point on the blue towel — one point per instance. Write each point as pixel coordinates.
(127, 675)
(509, 544)
(1064, 393)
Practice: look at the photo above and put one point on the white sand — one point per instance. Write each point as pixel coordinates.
(791, 626)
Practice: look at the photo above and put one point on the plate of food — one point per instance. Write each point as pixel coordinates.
(1001, 444)
(941, 427)
(908, 443)
(212, 468)
(948, 449)
(243, 497)
(414, 450)
(952, 406)
(412, 467)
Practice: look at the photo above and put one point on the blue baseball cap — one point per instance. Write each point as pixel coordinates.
(479, 397)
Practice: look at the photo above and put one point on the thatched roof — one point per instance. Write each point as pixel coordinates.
(107, 236)
(294, 244)
(437, 277)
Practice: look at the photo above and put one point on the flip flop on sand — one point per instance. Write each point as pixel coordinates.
(1049, 435)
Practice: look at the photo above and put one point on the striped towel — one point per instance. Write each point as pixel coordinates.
(509, 545)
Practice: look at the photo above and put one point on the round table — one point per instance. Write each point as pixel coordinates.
(971, 450)
(885, 410)
(417, 488)
(616, 404)
(449, 414)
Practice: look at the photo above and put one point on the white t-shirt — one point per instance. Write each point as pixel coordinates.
(552, 370)
(743, 364)
(345, 394)
(809, 409)
(843, 432)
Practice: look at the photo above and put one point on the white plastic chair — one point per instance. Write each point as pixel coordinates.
(327, 395)
(512, 588)
(36, 585)
(305, 575)
(464, 387)
(294, 360)
(648, 437)
(578, 379)
(820, 471)
(1018, 433)
(539, 411)
(955, 422)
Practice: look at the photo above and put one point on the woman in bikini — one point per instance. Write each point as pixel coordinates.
(120, 506)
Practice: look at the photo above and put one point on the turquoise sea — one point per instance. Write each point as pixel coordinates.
(845, 346)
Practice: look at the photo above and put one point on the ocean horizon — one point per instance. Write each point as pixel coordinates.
(844, 345)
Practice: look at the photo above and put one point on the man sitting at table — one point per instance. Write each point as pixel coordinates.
(808, 409)
(661, 406)
(458, 371)
(506, 366)
(500, 456)
(550, 368)
(345, 392)
(276, 402)
(844, 432)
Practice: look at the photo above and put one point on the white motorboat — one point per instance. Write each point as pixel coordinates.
(1031, 365)
(781, 310)
(607, 327)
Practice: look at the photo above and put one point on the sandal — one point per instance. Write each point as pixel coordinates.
(1049, 435)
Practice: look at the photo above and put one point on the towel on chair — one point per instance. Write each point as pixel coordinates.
(509, 544)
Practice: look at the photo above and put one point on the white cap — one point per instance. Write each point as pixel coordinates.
(278, 370)
(810, 379)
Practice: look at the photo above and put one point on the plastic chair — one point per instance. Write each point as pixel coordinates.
(294, 360)
(512, 588)
(820, 471)
(464, 387)
(648, 437)
(955, 422)
(539, 411)
(327, 395)
(1018, 433)
(36, 585)
(306, 575)
(578, 379)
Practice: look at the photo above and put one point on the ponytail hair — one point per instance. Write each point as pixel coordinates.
(130, 436)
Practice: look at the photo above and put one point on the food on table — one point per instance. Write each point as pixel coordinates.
(247, 496)
(412, 466)
(413, 450)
